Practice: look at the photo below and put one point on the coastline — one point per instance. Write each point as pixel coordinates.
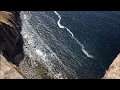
(11, 45)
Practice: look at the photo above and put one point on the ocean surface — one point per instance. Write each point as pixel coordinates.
(73, 44)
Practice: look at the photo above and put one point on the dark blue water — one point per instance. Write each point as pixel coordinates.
(85, 44)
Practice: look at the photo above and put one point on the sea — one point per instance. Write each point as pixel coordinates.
(73, 44)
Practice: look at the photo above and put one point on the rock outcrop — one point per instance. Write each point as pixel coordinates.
(10, 38)
(11, 44)
(7, 70)
(114, 70)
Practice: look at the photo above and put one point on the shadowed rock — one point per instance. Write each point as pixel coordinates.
(11, 43)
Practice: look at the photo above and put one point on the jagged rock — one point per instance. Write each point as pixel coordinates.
(7, 70)
(114, 70)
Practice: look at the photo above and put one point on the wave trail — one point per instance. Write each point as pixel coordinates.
(82, 46)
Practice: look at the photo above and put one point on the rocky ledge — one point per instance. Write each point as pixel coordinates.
(8, 70)
(114, 70)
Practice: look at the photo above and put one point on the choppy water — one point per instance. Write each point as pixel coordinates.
(73, 44)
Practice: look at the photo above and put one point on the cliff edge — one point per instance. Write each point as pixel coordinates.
(114, 70)
(7, 70)
(11, 45)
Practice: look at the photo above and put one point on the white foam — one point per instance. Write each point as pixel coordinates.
(61, 26)
(48, 57)
(39, 52)
(25, 16)
(86, 53)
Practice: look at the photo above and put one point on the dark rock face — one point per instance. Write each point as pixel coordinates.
(11, 43)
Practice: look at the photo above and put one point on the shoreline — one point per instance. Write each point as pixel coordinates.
(12, 47)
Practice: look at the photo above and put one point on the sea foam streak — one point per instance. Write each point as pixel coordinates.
(61, 26)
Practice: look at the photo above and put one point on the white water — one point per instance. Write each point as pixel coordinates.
(42, 50)
(61, 26)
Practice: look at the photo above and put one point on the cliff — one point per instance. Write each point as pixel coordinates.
(8, 70)
(114, 70)
(11, 44)
(14, 64)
